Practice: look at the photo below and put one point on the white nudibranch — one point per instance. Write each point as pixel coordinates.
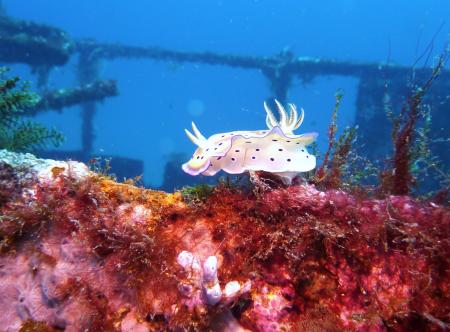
(276, 150)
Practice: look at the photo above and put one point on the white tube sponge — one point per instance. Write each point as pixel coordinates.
(232, 288)
(188, 261)
(213, 294)
(210, 269)
(203, 286)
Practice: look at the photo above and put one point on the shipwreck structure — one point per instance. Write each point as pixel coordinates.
(43, 47)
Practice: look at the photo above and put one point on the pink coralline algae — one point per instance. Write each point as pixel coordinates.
(81, 252)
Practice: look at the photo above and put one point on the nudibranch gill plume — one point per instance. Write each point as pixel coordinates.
(276, 150)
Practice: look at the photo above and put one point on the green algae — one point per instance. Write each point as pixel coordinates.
(16, 133)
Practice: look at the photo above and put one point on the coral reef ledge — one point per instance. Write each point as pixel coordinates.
(81, 252)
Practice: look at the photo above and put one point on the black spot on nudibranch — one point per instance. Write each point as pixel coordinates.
(218, 158)
(274, 140)
(233, 159)
(257, 149)
(253, 157)
(248, 142)
(280, 149)
(237, 150)
(272, 159)
(288, 160)
(220, 143)
(307, 156)
(303, 150)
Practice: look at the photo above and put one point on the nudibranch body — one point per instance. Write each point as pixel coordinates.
(277, 150)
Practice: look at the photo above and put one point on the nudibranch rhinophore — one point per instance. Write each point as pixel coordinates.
(277, 150)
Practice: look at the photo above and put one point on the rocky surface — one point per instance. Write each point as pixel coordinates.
(81, 252)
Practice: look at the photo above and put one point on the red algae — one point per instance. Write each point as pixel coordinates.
(399, 178)
(90, 254)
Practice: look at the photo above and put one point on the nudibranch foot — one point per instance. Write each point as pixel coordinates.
(287, 177)
(264, 181)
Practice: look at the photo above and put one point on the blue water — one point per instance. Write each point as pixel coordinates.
(158, 99)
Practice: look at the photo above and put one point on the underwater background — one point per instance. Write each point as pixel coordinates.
(158, 99)
(359, 242)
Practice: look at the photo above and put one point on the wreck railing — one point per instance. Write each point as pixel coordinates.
(279, 69)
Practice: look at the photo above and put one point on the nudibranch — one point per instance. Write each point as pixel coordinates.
(276, 150)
